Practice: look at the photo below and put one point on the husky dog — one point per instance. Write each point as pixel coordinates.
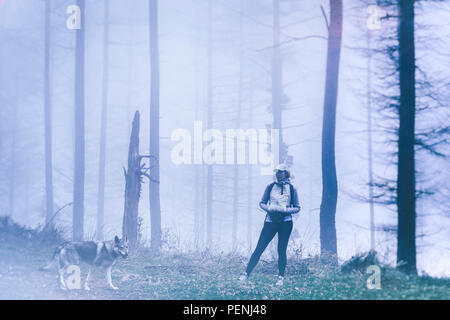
(95, 253)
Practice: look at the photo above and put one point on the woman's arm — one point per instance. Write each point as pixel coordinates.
(265, 199)
(292, 210)
(295, 208)
(264, 206)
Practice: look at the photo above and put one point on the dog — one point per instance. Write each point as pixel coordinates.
(95, 253)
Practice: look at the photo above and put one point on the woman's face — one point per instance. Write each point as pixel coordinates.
(281, 174)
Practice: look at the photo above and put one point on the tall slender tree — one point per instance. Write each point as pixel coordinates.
(406, 188)
(250, 204)
(79, 150)
(277, 82)
(209, 101)
(48, 118)
(12, 166)
(198, 203)
(103, 125)
(328, 243)
(197, 206)
(369, 142)
(155, 208)
(236, 177)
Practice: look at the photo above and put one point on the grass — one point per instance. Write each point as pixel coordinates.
(199, 276)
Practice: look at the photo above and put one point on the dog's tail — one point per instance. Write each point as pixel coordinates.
(53, 262)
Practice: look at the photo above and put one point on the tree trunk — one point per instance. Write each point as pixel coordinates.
(197, 207)
(12, 168)
(250, 204)
(155, 209)
(406, 198)
(328, 244)
(277, 90)
(132, 186)
(102, 160)
(369, 143)
(209, 176)
(198, 178)
(79, 150)
(236, 177)
(48, 119)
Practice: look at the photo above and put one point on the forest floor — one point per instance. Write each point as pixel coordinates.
(199, 276)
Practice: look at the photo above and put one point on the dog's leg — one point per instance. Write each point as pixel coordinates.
(62, 264)
(61, 278)
(108, 278)
(86, 284)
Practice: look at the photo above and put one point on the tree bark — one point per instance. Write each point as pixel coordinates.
(328, 244)
(79, 150)
(103, 125)
(132, 186)
(154, 196)
(406, 197)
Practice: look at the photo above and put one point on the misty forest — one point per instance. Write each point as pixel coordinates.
(117, 119)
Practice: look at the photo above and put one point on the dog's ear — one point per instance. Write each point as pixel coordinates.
(116, 239)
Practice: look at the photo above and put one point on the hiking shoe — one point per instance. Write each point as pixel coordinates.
(243, 277)
(280, 281)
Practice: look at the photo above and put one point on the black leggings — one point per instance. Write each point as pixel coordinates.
(269, 230)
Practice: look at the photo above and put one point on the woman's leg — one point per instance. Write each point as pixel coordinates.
(283, 238)
(267, 234)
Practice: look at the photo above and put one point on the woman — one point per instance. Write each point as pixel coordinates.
(280, 201)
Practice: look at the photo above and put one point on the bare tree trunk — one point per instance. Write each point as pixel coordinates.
(12, 168)
(236, 177)
(130, 68)
(235, 206)
(155, 209)
(209, 176)
(369, 143)
(79, 150)
(203, 213)
(198, 180)
(250, 204)
(132, 186)
(48, 118)
(103, 125)
(406, 193)
(328, 244)
(277, 86)
(197, 207)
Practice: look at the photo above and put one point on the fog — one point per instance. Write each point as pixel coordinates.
(242, 47)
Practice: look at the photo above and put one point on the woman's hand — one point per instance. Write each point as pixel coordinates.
(275, 207)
